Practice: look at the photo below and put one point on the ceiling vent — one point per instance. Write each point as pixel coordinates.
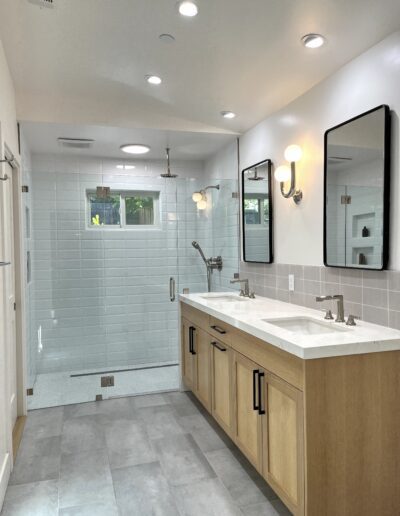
(75, 143)
(42, 3)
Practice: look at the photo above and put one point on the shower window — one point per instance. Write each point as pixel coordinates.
(124, 209)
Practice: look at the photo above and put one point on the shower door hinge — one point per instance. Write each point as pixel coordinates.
(25, 189)
(99, 397)
(29, 392)
(235, 195)
(107, 381)
(15, 307)
(345, 199)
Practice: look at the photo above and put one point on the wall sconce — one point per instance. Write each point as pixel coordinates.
(201, 198)
(293, 153)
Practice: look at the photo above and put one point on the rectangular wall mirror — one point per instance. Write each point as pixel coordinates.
(356, 186)
(257, 213)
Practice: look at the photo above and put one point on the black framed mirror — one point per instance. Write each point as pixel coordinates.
(257, 213)
(356, 192)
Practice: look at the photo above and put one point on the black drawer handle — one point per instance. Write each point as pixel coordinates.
(255, 373)
(216, 345)
(192, 329)
(218, 329)
(261, 411)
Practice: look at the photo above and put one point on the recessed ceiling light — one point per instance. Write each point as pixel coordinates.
(188, 8)
(153, 79)
(125, 167)
(135, 148)
(313, 40)
(228, 114)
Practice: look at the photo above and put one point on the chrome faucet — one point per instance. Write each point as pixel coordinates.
(244, 292)
(340, 305)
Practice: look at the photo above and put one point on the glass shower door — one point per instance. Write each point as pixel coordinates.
(141, 288)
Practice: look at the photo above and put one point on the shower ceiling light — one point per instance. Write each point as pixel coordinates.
(188, 8)
(313, 40)
(135, 148)
(153, 79)
(228, 114)
(125, 167)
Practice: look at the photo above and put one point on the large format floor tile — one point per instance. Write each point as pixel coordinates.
(143, 490)
(33, 499)
(85, 478)
(152, 455)
(182, 460)
(38, 459)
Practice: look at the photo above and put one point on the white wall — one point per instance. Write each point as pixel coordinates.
(8, 136)
(366, 82)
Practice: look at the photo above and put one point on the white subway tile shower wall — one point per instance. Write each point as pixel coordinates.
(102, 296)
(372, 295)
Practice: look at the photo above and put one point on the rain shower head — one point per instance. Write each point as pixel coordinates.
(168, 173)
(256, 177)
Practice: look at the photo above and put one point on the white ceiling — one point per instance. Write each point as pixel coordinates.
(42, 139)
(84, 61)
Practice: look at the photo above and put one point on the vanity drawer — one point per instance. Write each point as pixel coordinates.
(220, 330)
(195, 316)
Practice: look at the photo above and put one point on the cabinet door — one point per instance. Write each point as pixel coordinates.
(283, 461)
(187, 356)
(201, 354)
(247, 420)
(221, 384)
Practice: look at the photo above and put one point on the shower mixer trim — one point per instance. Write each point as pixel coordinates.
(213, 263)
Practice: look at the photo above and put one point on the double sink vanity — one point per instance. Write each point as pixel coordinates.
(312, 403)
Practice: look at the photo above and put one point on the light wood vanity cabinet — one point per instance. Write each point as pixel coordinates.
(247, 425)
(324, 433)
(221, 385)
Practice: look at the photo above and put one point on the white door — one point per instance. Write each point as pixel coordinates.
(8, 366)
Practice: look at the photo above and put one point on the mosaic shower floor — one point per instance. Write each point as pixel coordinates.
(54, 389)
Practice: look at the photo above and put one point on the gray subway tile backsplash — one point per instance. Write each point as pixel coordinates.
(372, 295)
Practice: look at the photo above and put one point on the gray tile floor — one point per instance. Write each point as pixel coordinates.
(155, 455)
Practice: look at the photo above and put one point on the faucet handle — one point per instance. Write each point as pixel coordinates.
(328, 314)
(351, 320)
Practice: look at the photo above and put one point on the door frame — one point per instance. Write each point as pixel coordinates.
(20, 278)
(20, 283)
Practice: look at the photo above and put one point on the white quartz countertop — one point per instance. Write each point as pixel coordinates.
(248, 314)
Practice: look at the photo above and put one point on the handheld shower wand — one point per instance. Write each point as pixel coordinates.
(211, 263)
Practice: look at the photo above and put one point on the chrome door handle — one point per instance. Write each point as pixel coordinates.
(2, 264)
(172, 289)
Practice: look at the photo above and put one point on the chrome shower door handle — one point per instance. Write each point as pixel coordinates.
(172, 288)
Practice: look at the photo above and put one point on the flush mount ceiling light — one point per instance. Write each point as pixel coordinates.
(228, 114)
(188, 8)
(293, 153)
(313, 40)
(153, 79)
(125, 167)
(135, 148)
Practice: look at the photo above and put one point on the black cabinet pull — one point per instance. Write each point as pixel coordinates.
(218, 329)
(216, 345)
(261, 411)
(255, 373)
(192, 329)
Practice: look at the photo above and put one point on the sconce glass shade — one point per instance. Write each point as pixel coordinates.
(197, 196)
(293, 153)
(202, 205)
(282, 173)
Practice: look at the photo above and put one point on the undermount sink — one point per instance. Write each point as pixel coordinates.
(224, 298)
(305, 325)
